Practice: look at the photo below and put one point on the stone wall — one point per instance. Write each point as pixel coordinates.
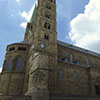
(78, 56)
(72, 79)
(11, 83)
(11, 97)
(76, 75)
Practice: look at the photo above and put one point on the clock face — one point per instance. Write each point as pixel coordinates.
(42, 45)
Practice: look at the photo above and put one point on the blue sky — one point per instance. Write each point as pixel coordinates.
(11, 19)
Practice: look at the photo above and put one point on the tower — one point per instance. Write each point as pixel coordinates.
(42, 36)
(29, 66)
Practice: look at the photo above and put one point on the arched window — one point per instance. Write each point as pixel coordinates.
(71, 58)
(86, 78)
(46, 37)
(51, 0)
(87, 62)
(19, 63)
(48, 15)
(47, 25)
(9, 64)
(75, 76)
(61, 74)
(30, 26)
(21, 48)
(11, 49)
(48, 6)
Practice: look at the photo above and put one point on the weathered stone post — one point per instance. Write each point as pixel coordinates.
(38, 81)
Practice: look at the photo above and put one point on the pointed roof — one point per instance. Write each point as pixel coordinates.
(34, 13)
(78, 48)
(24, 42)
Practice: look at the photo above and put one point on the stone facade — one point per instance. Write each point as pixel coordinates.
(40, 67)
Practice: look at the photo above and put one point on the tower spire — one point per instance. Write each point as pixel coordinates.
(34, 13)
(31, 23)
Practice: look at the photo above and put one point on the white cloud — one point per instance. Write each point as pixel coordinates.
(0, 69)
(26, 16)
(23, 24)
(85, 28)
(18, 1)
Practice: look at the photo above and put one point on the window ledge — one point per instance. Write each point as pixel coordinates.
(74, 64)
(12, 72)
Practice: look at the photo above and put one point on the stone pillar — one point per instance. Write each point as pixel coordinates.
(38, 81)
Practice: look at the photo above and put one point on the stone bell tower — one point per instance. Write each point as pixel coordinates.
(42, 35)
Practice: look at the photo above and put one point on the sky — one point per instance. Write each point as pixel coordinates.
(78, 22)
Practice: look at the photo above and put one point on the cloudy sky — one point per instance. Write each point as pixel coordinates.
(78, 22)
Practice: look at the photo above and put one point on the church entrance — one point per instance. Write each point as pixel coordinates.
(97, 88)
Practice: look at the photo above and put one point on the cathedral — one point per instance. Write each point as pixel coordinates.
(43, 68)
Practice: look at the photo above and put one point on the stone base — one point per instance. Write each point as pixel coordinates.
(60, 96)
(17, 97)
(39, 94)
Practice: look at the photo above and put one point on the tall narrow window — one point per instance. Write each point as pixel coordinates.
(47, 15)
(9, 63)
(75, 76)
(86, 78)
(71, 58)
(48, 6)
(11, 49)
(46, 37)
(87, 62)
(22, 48)
(78, 62)
(51, 0)
(19, 63)
(61, 74)
(54, 1)
(47, 25)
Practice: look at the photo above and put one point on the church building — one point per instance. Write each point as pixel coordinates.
(43, 68)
